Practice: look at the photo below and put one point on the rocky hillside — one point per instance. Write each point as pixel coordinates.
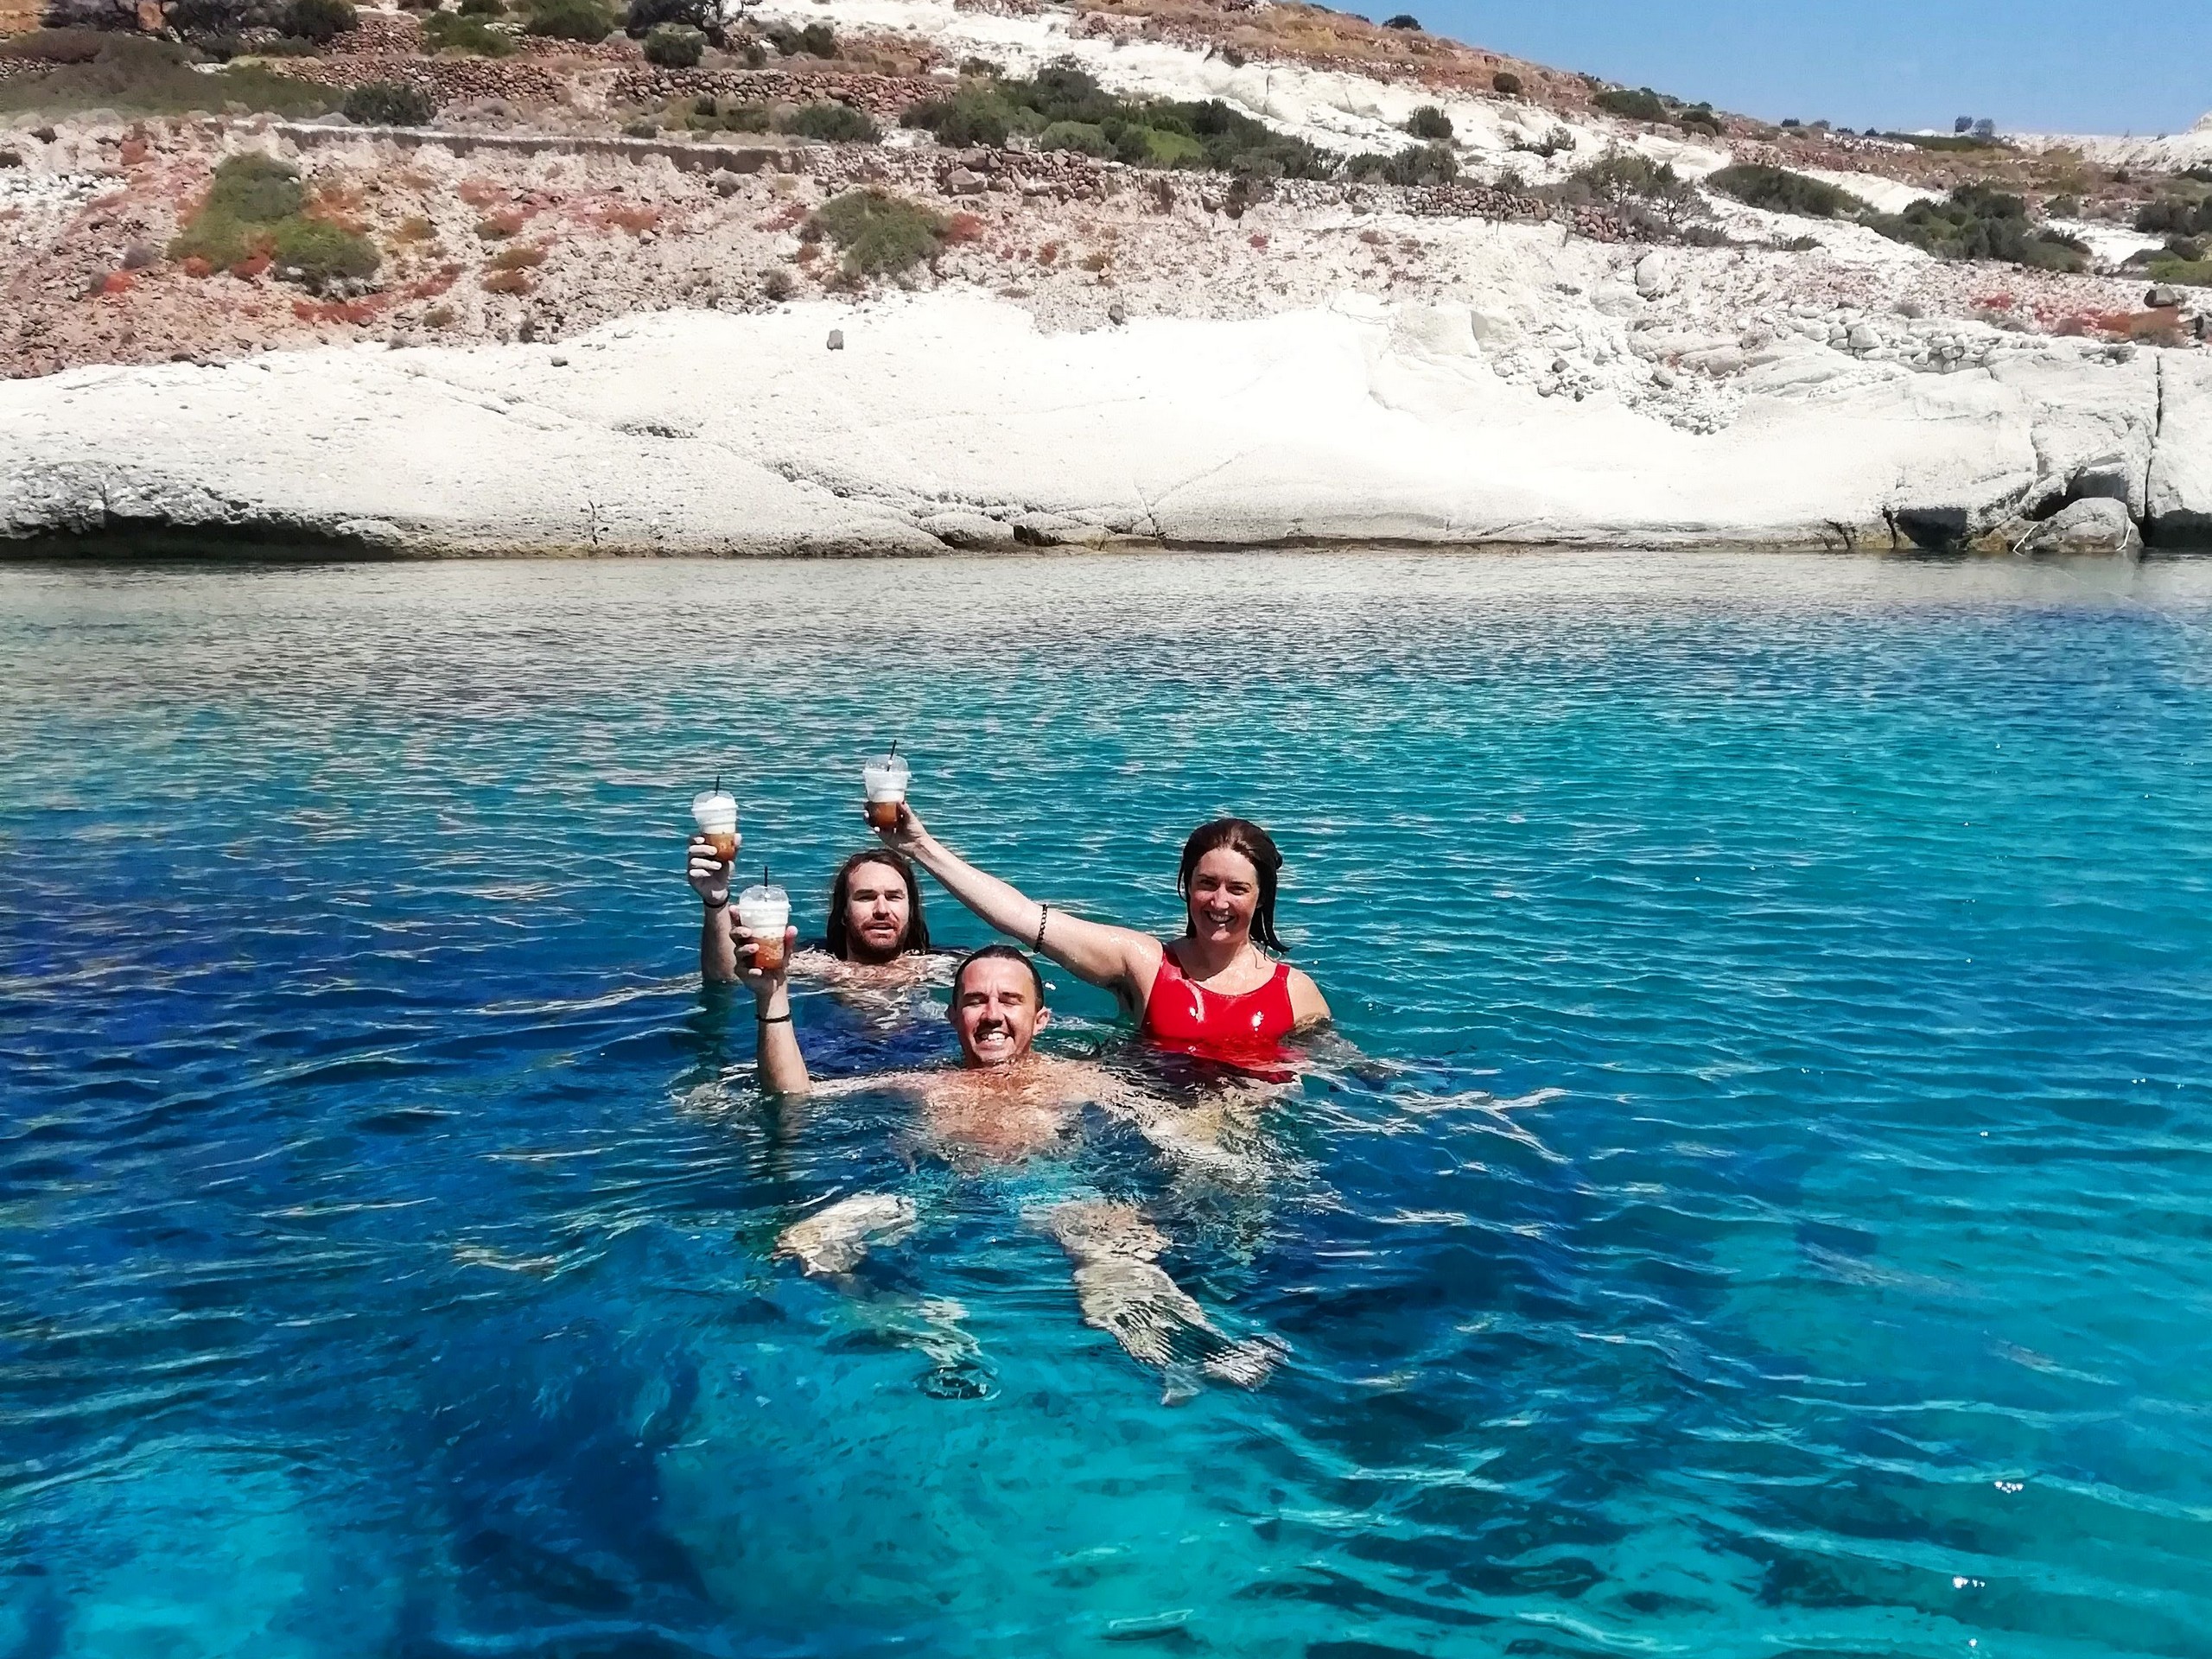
(533, 177)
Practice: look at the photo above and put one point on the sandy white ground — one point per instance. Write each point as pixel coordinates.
(948, 419)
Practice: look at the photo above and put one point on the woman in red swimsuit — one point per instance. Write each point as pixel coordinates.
(1214, 992)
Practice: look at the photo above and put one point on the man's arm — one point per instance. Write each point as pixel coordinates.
(783, 1067)
(710, 878)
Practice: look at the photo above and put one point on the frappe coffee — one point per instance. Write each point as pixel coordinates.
(763, 912)
(885, 781)
(716, 813)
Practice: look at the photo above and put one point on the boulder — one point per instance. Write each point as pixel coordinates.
(837, 340)
(2161, 298)
(961, 182)
(2097, 527)
(1656, 274)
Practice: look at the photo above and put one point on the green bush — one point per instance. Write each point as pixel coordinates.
(1946, 140)
(253, 207)
(1641, 104)
(645, 16)
(815, 41)
(1416, 164)
(1645, 196)
(256, 187)
(1699, 117)
(569, 20)
(320, 20)
(389, 103)
(450, 31)
(970, 119)
(675, 46)
(1403, 20)
(2174, 216)
(139, 76)
(879, 234)
(1505, 83)
(2194, 273)
(1779, 190)
(56, 45)
(1430, 123)
(1079, 135)
(1143, 132)
(1979, 221)
(834, 123)
(316, 254)
(483, 8)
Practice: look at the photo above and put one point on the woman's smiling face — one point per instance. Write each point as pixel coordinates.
(1224, 894)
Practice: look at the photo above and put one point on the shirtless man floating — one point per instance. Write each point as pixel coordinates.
(1005, 1103)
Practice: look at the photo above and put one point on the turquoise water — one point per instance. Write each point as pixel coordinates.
(1766, 1214)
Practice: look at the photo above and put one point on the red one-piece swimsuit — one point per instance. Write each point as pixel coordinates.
(1184, 1014)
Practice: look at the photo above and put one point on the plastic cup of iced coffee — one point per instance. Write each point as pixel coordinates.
(886, 780)
(763, 912)
(715, 814)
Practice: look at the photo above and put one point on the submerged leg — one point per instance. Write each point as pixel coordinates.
(834, 1240)
(1124, 1291)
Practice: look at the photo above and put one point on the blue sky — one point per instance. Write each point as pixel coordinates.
(2032, 66)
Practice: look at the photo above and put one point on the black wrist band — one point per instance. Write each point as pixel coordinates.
(1043, 911)
(773, 1018)
(711, 905)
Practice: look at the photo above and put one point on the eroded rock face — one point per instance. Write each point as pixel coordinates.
(2178, 504)
(2096, 527)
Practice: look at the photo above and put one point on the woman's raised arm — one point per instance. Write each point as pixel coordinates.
(1118, 959)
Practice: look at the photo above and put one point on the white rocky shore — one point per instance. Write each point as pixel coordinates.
(577, 348)
(950, 419)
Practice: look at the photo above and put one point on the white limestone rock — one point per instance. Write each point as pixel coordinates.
(2177, 497)
(2096, 527)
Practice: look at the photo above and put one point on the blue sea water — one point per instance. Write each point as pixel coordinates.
(1765, 1214)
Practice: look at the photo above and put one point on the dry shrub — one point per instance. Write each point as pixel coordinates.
(430, 287)
(963, 227)
(808, 253)
(438, 316)
(507, 281)
(355, 312)
(496, 226)
(523, 255)
(1373, 238)
(1258, 239)
(1049, 252)
(481, 193)
(636, 220)
(1099, 261)
(414, 228)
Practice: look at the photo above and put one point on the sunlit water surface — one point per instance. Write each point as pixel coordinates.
(1771, 1216)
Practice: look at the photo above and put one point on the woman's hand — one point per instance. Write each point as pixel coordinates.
(904, 835)
(708, 875)
(765, 988)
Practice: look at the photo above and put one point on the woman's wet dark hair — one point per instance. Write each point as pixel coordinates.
(837, 934)
(1239, 836)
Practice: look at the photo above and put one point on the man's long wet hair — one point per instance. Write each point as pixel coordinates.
(1239, 836)
(836, 933)
(989, 952)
